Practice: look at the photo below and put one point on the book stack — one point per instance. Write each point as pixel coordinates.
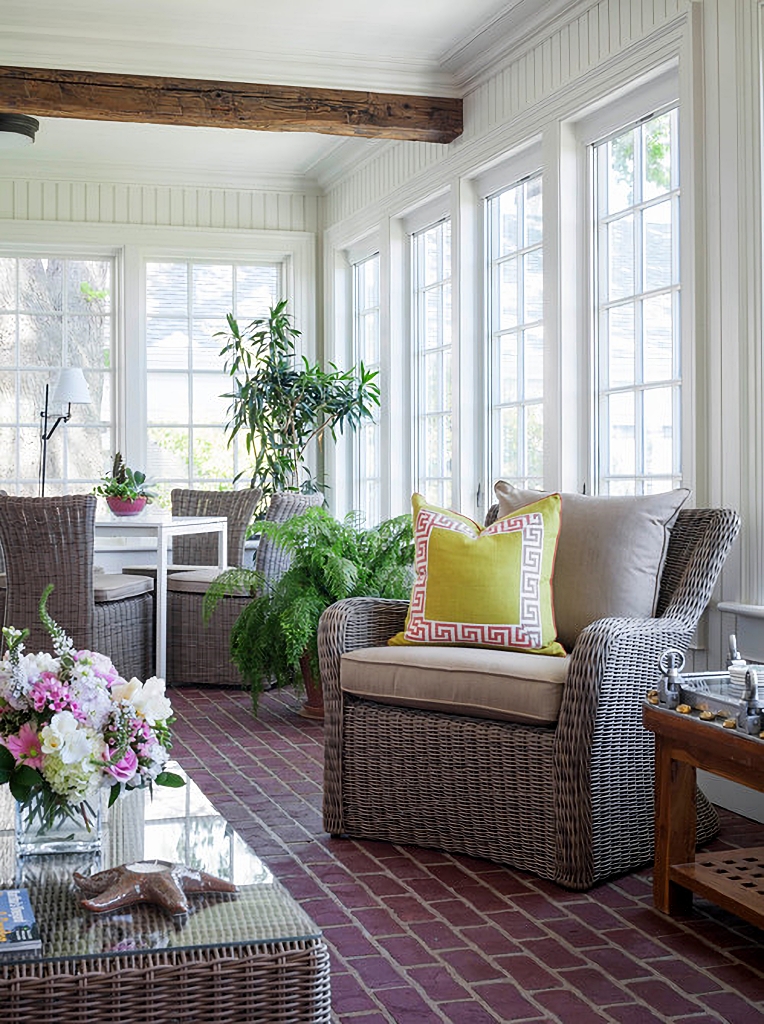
(19, 931)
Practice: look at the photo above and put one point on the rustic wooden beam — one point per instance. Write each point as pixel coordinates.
(94, 96)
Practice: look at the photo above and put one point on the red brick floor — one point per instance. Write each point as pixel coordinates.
(419, 936)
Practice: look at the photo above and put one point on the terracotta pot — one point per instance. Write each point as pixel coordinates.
(126, 506)
(313, 706)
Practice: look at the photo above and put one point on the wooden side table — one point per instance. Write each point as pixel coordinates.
(733, 879)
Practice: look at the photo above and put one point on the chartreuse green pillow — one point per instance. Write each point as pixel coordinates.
(489, 587)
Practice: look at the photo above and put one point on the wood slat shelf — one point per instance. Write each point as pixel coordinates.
(733, 879)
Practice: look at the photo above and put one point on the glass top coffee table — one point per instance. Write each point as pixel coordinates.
(249, 956)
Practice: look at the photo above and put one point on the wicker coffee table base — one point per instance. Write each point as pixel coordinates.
(268, 983)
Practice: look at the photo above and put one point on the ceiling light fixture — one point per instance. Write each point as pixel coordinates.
(17, 130)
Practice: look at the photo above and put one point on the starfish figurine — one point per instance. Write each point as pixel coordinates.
(153, 881)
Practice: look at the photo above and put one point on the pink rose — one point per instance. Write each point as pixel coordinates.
(124, 769)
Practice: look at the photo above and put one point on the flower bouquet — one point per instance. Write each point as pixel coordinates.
(71, 726)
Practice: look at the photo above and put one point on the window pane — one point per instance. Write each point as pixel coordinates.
(431, 250)
(516, 340)
(658, 251)
(621, 368)
(622, 434)
(57, 312)
(659, 431)
(637, 234)
(621, 282)
(366, 348)
(187, 303)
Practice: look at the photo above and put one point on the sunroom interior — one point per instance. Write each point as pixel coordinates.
(566, 296)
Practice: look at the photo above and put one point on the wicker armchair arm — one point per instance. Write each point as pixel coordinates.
(348, 625)
(600, 733)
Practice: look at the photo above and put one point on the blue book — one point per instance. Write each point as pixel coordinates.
(19, 930)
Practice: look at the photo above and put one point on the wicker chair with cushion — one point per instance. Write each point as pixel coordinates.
(199, 654)
(567, 794)
(50, 540)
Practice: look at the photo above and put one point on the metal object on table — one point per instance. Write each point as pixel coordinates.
(733, 699)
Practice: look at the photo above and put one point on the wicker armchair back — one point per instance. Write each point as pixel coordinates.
(202, 549)
(50, 540)
(271, 560)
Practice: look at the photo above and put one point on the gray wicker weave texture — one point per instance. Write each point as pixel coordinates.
(199, 654)
(237, 506)
(50, 540)
(271, 560)
(573, 802)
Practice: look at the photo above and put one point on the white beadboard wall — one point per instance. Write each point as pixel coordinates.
(566, 53)
(157, 205)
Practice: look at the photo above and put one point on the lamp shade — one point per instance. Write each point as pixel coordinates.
(17, 130)
(71, 388)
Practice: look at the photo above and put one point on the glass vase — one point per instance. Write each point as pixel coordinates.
(63, 835)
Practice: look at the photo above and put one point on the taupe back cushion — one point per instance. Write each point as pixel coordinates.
(610, 554)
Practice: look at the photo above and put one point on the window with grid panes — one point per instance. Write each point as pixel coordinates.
(639, 387)
(516, 333)
(368, 469)
(431, 262)
(186, 305)
(54, 312)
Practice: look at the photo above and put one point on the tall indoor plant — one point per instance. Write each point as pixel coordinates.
(281, 402)
(275, 636)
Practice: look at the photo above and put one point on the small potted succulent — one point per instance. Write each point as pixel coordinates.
(125, 489)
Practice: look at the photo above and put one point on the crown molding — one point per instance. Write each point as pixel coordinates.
(488, 49)
(300, 68)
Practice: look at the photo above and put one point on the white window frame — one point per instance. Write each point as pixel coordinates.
(361, 478)
(426, 219)
(648, 97)
(76, 252)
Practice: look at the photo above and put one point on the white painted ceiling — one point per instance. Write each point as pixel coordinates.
(424, 47)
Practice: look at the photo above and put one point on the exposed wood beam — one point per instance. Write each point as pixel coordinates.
(93, 96)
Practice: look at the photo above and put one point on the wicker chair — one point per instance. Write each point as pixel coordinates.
(199, 550)
(199, 654)
(50, 540)
(571, 802)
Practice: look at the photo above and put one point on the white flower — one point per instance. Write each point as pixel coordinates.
(64, 737)
(148, 699)
(126, 691)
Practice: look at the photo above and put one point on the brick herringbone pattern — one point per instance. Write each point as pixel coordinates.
(419, 936)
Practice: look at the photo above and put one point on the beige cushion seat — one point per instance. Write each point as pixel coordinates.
(116, 586)
(111, 586)
(505, 685)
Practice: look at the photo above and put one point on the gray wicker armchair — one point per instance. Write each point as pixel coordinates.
(50, 540)
(570, 802)
(199, 654)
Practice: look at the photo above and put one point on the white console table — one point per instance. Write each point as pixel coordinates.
(164, 528)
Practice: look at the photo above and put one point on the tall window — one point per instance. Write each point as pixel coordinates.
(368, 469)
(636, 177)
(431, 258)
(516, 333)
(54, 313)
(186, 304)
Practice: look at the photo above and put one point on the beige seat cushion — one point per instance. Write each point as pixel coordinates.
(196, 581)
(506, 685)
(610, 554)
(151, 570)
(115, 586)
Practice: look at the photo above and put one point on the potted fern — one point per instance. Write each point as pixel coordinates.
(275, 636)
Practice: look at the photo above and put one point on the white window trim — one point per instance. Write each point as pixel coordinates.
(635, 101)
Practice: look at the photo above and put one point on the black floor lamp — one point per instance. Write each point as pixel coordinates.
(71, 389)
